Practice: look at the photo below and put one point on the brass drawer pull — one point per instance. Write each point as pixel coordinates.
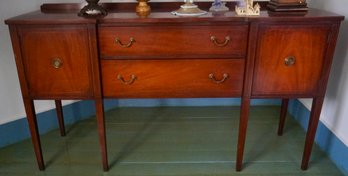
(214, 40)
(290, 60)
(56, 63)
(131, 41)
(224, 77)
(131, 81)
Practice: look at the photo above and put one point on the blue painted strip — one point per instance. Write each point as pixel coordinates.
(18, 130)
(327, 141)
(13, 132)
(186, 102)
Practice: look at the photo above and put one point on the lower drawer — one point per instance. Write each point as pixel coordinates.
(172, 78)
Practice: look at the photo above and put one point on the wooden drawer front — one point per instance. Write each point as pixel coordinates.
(172, 78)
(42, 47)
(306, 44)
(173, 41)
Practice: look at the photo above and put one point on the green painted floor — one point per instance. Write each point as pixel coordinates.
(192, 141)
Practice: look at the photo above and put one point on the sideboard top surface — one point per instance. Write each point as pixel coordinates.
(124, 13)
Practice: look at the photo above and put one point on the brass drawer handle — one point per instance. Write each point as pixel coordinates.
(131, 41)
(56, 63)
(131, 81)
(290, 60)
(224, 78)
(214, 40)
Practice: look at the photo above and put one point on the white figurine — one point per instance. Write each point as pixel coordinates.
(248, 9)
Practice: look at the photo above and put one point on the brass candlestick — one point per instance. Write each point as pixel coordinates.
(143, 9)
(92, 9)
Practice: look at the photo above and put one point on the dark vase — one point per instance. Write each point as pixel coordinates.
(92, 9)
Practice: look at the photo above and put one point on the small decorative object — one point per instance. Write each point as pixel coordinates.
(248, 8)
(92, 9)
(189, 9)
(218, 6)
(143, 9)
(287, 6)
(290, 1)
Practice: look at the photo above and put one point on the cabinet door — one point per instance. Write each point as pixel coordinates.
(56, 61)
(289, 59)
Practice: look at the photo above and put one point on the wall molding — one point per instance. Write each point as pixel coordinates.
(308, 104)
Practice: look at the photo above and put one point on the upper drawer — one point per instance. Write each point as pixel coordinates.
(173, 42)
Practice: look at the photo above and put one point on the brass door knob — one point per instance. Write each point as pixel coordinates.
(56, 63)
(290, 60)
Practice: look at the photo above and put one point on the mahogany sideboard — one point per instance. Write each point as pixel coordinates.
(62, 56)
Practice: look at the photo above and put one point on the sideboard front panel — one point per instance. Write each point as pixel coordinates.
(289, 59)
(56, 61)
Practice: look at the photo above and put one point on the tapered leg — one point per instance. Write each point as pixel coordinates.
(312, 128)
(34, 132)
(60, 117)
(243, 124)
(101, 132)
(283, 112)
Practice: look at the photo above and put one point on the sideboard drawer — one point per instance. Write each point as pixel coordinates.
(229, 41)
(56, 61)
(290, 64)
(172, 78)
